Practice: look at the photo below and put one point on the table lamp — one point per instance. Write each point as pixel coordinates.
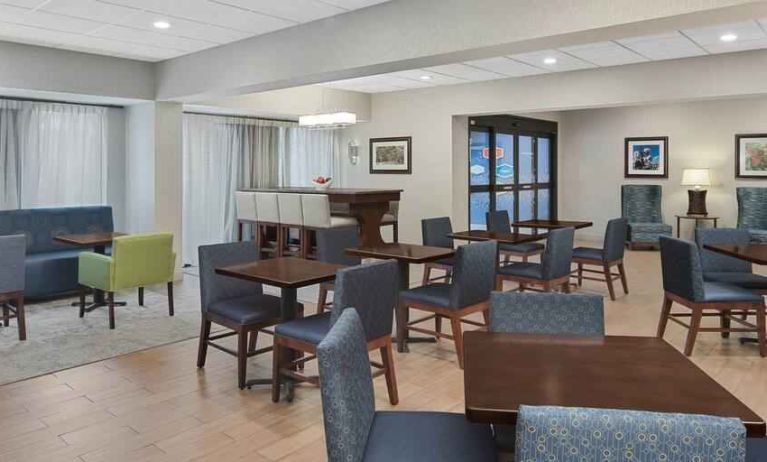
(696, 177)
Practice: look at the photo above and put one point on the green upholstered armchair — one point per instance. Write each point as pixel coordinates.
(137, 261)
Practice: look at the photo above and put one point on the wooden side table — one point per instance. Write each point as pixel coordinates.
(697, 218)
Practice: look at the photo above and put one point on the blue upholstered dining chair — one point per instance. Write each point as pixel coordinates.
(331, 248)
(641, 206)
(684, 284)
(573, 434)
(370, 289)
(468, 293)
(434, 232)
(721, 268)
(605, 258)
(239, 305)
(553, 270)
(12, 263)
(498, 222)
(355, 432)
(752, 212)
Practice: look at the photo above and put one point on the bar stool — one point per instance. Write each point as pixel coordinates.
(268, 219)
(316, 213)
(291, 218)
(246, 212)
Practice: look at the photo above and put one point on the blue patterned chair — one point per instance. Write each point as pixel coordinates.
(684, 284)
(752, 212)
(605, 258)
(434, 232)
(331, 248)
(355, 432)
(721, 268)
(469, 292)
(641, 206)
(12, 249)
(553, 270)
(560, 434)
(370, 289)
(498, 222)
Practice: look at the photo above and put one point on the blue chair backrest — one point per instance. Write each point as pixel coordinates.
(473, 273)
(575, 434)
(333, 242)
(348, 402)
(717, 262)
(215, 287)
(641, 203)
(549, 313)
(752, 211)
(498, 222)
(682, 271)
(373, 290)
(41, 225)
(615, 238)
(558, 256)
(434, 232)
(12, 259)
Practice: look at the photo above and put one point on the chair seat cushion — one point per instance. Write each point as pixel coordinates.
(758, 235)
(311, 329)
(428, 436)
(756, 449)
(524, 270)
(745, 280)
(251, 309)
(52, 256)
(525, 247)
(388, 219)
(430, 294)
(719, 292)
(589, 253)
(649, 227)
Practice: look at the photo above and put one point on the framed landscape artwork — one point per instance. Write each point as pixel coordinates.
(751, 156)
(646, 157)
(391, 155)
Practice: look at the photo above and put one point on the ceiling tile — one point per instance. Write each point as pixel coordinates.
(671, 45)
(25, 3)
(506, 66)
(433, 77)
(44, 20)
(462, 71)
(127, 34)
(91, 9)
(184, 28)
(604, 54)
(294, 10)
(354, 4)
(564, 62)
(750, 36)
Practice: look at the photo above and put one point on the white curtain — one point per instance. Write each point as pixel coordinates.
(53, 154)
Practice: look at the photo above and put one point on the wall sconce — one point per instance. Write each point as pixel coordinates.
(354, 152)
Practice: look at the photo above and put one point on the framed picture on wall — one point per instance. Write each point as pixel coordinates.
(646, 157)
(391, 155)
(751, 156)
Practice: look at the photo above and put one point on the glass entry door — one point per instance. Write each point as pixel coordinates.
(516, 177)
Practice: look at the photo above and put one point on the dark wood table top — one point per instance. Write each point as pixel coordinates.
(755, 253)
(347, 195)
(504, 371)
(88, 240)
(286, 272)
(552, 224)
(503, 238)
(411, 253)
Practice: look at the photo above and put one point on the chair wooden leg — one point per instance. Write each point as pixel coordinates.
(242, 357)
(624, 282)
(724, 322)
(276, 365)
(170, 299)
(111, 304)
(202, 348)
(6, 315)
(322, 299)
(253, 341)
(522, 287)
(760, 326)
(566, 287)
(239, 231)
(448, 276)
(455, 323)
(580, 274)
(499, 283)
(387, 358)
(664, 312)
(697, 315)
(486, 317)
(140, 296)
(438, 326)
(402, 317)
(426, 274)
(609, 280)
(280, 241)
(395, 231)
(21, 318)
(81, 293)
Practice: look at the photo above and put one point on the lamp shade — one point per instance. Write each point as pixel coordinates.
(696, 177)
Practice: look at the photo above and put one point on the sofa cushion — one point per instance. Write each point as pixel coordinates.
(51, 273)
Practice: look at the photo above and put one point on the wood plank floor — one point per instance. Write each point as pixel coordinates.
(155, 405)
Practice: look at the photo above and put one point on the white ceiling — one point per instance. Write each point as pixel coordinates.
(125, 28)
(751, 35)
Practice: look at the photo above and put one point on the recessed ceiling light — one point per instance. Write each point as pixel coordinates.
(728, 38)
(161, 24)
(425, 77)
(549, 60)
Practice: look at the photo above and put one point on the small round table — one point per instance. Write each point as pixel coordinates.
(697, 218)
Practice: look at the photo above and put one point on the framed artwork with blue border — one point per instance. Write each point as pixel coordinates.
(646, 157)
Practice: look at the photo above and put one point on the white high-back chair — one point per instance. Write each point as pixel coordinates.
(268, 218)
(246, 211)
(291, 217)
(317, 215)
(391, 218)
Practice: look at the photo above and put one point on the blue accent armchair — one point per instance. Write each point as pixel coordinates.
(641, 206)
(51, 267)
(752, 212)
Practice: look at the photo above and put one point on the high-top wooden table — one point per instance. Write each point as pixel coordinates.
(504, 371)
(368, 206)
(502, 238)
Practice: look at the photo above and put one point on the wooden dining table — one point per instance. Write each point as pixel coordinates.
(368, 206)
(504, 371)
(502, 238)
(552, 224)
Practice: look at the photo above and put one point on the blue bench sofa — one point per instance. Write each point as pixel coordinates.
(51, 267)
